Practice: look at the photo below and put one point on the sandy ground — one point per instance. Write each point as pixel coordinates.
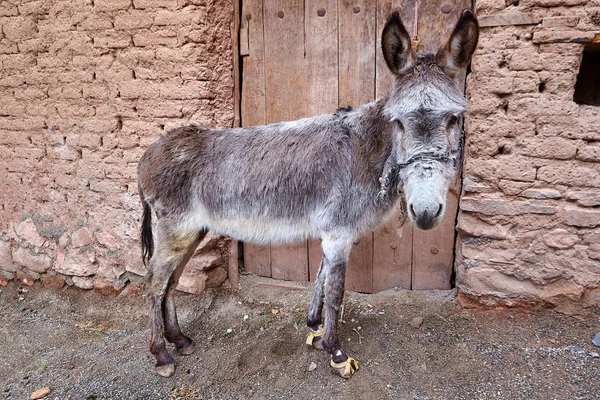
(250, 345)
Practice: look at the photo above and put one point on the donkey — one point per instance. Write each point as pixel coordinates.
(333, 177)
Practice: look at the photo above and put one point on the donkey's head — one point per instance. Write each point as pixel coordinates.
(425, 107)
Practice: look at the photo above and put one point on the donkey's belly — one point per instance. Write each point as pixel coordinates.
(263, 231)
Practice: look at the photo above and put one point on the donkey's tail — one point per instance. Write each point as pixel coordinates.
(146, 232)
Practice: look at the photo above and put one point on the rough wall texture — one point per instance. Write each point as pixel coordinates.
(85, 86)
(529, 222)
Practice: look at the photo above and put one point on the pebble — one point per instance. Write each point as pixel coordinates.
(312, 367)
(40, 393)
(228, 331)
(596, 340)
(593, 354)
(246, 317)
(416, 322)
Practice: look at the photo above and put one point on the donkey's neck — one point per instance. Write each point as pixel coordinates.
(371, 143)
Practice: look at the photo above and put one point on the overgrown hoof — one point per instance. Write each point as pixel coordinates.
(166, 370)
(346, 368)
(187, 350)
(314, 338)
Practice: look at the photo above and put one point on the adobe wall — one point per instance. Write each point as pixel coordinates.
(529, 221)
(86, 85)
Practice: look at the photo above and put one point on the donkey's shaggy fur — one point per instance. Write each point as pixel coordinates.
(333, 177)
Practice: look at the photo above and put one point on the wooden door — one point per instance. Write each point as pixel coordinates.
(302, 58)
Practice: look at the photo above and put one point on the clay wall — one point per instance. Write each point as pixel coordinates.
(85, 86)
(529, 221)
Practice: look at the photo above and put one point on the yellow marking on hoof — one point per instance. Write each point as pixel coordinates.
(345, 369)
(311, 335)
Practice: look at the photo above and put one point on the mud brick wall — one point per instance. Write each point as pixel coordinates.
(529, 221)
(85, 87)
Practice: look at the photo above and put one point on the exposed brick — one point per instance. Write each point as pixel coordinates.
(21, 28)
(187, 91)
(134, 20)
(143, 4)
(8, 10)
(163, 37)
(164, 17)
(584, 198)
(470, 226)
(504, 207)
(553, 148)
(569, 173)
(562, 36)
(585, 218)
(96, 22)
(53, 281)
(589, 153)
(111, 5)
(138, 89)
(24, 278)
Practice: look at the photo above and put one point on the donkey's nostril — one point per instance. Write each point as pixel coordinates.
(412, 210)
(439, 212)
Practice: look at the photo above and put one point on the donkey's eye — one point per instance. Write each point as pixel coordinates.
(452, 121)
(400, 126)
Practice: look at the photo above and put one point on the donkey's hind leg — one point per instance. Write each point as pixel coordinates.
(172, 250)
(183, 344)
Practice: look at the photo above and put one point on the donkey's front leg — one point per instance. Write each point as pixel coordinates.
(336, 249)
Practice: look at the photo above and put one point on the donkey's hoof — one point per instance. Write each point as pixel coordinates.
(313, 338)
(166, 370)
(346, 368)
(187, 350)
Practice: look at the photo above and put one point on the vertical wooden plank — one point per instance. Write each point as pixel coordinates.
(286, 99)
(233, 271)
(357, 44)
(321, 32)
(257, 259)
(356, 52)
(392, 243)
(433, 251)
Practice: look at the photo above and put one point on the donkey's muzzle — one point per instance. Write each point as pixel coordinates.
(426, 216)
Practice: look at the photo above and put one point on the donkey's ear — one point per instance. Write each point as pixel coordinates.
(395, 43)
(456, 53)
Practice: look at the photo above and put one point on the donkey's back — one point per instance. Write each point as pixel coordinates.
(274, 183)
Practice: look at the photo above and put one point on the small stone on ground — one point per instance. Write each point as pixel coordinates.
(416, 322)
(312, 366)
(596, 340)
(40, 393)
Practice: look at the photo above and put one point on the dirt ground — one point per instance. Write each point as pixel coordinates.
(250, 345)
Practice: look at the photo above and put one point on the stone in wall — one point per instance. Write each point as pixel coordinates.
(6, 260)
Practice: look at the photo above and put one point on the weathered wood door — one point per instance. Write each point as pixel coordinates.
(302, 58)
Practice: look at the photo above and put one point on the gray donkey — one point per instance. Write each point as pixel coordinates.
(333, 177)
